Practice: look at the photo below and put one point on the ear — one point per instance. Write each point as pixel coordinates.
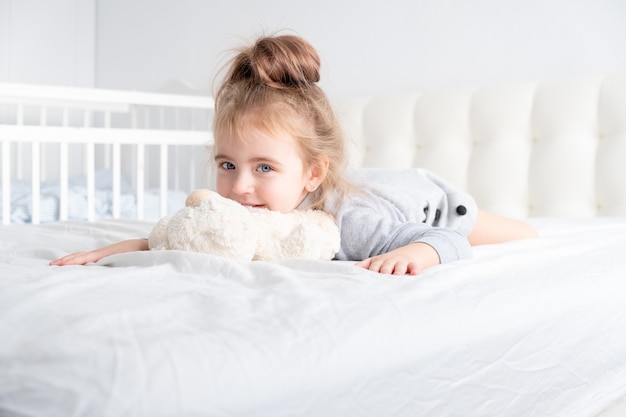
(317, 172)
(196, 197)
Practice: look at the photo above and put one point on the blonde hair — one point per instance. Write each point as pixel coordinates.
(271, 86)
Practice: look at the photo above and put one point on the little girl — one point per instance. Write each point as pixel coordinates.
(279, 145)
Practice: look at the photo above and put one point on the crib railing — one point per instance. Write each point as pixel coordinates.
(124, 131)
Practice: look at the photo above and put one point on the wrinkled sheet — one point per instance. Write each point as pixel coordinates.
(527, 328)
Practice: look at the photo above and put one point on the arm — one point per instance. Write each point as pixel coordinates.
(492, 228)
(415, 257)
(82, 258)
(410, 259)
(378, 236)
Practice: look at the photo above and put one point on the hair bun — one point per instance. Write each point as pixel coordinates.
(286, 60)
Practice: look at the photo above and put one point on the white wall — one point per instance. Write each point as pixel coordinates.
(366, 47)
(48, 41)
(388, 45)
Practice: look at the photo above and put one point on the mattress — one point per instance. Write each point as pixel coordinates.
(527, 328)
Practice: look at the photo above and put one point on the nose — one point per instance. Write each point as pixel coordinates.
(243, 184)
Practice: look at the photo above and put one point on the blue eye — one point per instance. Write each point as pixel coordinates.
(264, 168)
(228, 165)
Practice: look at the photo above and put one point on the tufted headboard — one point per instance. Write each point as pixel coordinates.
(547, 149)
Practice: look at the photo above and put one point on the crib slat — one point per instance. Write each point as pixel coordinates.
(117, 176)
(19, 164)
(191, 173)
(177, 172)
(35, 181)
(140, 165)
(140, 171)
(90, 167)
(43, 122)
(64, 172)
(63, 180)
(6, 182)
(163, 180)
(116, 166)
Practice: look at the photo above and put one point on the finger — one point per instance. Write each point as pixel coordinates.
(79, 258)
(378, 265)
(413, 269)
(396, 267)
(388, 267)
(365, 263)
(60, 261)
(400, 268)
(371, 264)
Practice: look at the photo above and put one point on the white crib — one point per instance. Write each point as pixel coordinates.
(50, 133)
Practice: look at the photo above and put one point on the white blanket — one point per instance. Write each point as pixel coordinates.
(528, 328)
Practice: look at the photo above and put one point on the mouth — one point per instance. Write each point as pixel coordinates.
(253, 205)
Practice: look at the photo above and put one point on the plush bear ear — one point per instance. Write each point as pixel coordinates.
(196, 197)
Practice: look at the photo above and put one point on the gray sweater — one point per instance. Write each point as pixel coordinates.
(392, 208)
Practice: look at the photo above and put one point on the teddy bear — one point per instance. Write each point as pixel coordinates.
(210, 223)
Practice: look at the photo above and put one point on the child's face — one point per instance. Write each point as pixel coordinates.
(261, 171)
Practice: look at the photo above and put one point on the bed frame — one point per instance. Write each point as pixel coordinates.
(555, 148)
(49, 133)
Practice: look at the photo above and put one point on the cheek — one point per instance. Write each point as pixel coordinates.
(221, 186)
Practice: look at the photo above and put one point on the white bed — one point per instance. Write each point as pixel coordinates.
(528, 328)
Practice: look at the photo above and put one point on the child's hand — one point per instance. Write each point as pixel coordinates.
(410, 259)
(79, 258)
(82, 258)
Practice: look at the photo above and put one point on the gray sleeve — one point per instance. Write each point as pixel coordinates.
(370, 228)
(422, 196)
(449, 206)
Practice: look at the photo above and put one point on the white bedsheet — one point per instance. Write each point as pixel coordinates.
(528, 328)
